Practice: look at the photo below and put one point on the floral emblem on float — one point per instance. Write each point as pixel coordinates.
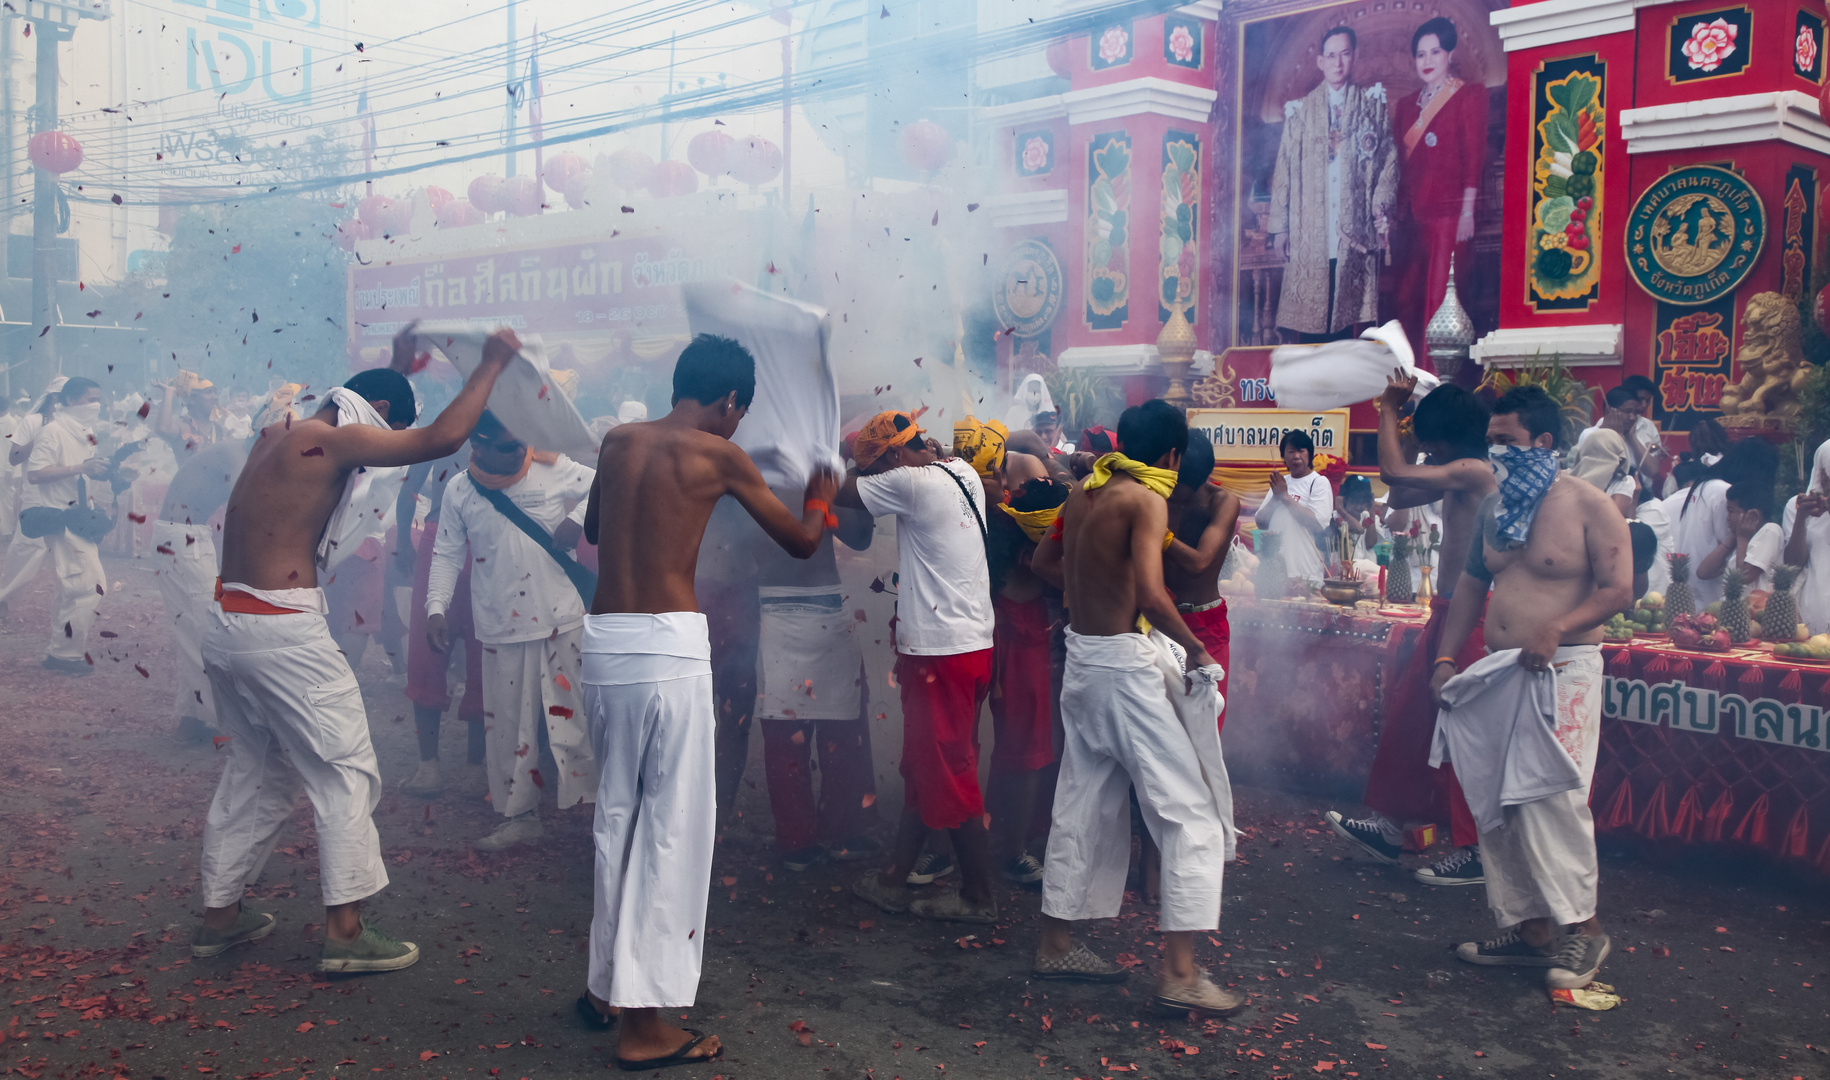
(1112, 47)
(1035, 154)
(1807, 45)
(1181, 47)
(1710, 44)
(1804, 51)
(1180, 224)
(1108, 286)
(1566, 187)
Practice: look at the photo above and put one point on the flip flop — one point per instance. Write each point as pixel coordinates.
(678, 1057)
(593, 1019)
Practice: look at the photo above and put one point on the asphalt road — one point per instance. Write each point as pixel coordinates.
(1723, 967)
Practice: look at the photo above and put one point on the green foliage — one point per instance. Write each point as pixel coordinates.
(1084, 399)
(1575, 399)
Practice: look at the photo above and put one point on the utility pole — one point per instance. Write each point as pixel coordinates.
(509, 86)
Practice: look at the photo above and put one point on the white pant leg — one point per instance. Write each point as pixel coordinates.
(1089, 836)
(1541, 863)
(562, 703)
(9, 501)
(23, 556)
(80, 583)
(287, 677)
(187, 579)
(511, 721)
(254, 797)
(655, 823)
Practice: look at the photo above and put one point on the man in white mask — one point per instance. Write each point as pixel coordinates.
(62, 463)
(25, 554)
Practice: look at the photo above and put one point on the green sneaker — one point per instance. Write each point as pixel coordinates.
(371, 950)
(250, 925)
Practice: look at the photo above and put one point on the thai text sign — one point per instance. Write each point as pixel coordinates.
(1250, 435)
(1683, 707)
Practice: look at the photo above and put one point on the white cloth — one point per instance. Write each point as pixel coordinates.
(632, 412)
(61, 443)
(1341, 373)
(517, 591)
(1498, 725)
(368, 494)
(793, 423)
(524, 398)
(237, 427)
(1122, 731)
(943, 602)
(807, 657)
(1541, 864)
(527, 684)
(1765, 550)
(648, 694)
(1652, 515)
(80, 586)
(1031, 397)
(186, 569)
(1699, 526)
(24, 556)
(1813, 586)
(1301, 557)
(15, 430)
(288, 702)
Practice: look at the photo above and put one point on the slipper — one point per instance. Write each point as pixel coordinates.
(1202, 997)
(593, 1019)
(678, 1057)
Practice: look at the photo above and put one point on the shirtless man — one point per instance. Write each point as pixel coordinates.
(1559, 560)
(1207, 514)
(187, 572)
(1451, 426)
(285, 695)
(648, 692)
(1123, 730)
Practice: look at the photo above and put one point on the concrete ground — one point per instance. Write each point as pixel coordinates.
(1723, 967)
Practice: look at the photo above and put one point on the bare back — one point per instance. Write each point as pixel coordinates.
(1577, 544)
(1100, 581)
(279, 507)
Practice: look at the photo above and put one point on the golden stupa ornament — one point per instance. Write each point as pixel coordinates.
(1175, 347)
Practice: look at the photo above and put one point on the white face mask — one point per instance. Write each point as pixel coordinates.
(86, 415)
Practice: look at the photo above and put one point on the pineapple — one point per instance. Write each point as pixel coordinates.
(1678, 598)
(1270, 580)
(1781, 616)
(1734, 617)
(1398, 588)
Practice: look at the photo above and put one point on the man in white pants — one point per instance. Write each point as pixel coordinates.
(24, 554)
(1559, 560)
(285, 695)
(528, 616)
(648, 692)
(186, 559)
(62, 462)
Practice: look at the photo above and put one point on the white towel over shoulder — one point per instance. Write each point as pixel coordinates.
(368, 495)
(1498, 725)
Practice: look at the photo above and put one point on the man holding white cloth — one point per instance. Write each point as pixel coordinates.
(1558, 558)
(528, 616)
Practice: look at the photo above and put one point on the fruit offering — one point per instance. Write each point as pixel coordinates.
(1815, 648)
(1698, 632)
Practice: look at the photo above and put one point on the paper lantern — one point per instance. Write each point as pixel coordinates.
(578, 189)
(926, 146)
(486, 194)
(1058, 57)
(456, 214)
(560, 168)
(380, 214)
(671, 179)
(710, 153)
(522, 196)
(437, 197)
(629, 169)
(55, 152)
(350, 231)
(755, 160)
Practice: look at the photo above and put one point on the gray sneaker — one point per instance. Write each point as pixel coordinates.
(1577, 961)
(250, 925)
(370, 950)
(1509, 949)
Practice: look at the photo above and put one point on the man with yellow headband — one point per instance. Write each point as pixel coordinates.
(188, 413)
(1137, 713)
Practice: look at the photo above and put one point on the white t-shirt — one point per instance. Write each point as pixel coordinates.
(1765, 549)
(1813, 588)
(1698, 529)
(60, 444)
(943, 603)
(1315, 494)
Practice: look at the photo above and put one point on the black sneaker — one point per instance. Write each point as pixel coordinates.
(1025, 869)
(1459, 867)
(1366, 833)
(1509, 949)
(1578, 961)
(804, 858)
(930, 867)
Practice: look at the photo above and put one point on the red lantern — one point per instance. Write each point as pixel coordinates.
(671, 179)
(55, 152)
(755, 160)
(350, 231)
(437, 197)
(380, 214)
(560, 168)
(522, 195)
(456, 214)
(926, 146)
(578, 190)
(629, 169)
(710, 153)
(487, 195)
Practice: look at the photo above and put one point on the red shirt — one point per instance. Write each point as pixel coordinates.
(1449, 158)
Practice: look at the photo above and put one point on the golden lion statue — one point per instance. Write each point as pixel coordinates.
(1773, 368)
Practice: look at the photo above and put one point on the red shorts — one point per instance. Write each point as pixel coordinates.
(1022, 699)
(1215, 634)
(941, 696)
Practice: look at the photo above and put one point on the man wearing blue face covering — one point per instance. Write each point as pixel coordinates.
(1522, 725)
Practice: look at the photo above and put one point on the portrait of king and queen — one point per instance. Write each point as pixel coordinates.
(1367, 165)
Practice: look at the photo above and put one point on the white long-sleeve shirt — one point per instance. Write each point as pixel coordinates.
(517, 591)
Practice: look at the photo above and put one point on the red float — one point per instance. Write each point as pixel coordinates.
(55, 152)
(521, 194)
(350, 231)
(559, 170)
(486, 194)
(926, 146)
(456, 214)
(755, 160)
(672, 179)
(578, 190)
(710, 153)
(629, 169)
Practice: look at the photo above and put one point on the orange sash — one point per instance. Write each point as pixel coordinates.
(1415, 135)
(237, 602)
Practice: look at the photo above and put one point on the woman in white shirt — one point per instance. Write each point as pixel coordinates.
(1298, 507)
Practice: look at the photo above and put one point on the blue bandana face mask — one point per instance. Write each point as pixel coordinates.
(1524, 473)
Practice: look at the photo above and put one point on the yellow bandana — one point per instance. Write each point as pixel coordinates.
(1161, 481)
(981, 444)
(1034, 523)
